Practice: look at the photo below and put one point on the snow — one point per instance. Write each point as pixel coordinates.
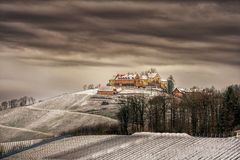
(152, 75)
(144, 77)
(152, 92)
(10, 146)
(24, 129)
(126, 76)
(140, 146)
(107, 88)
(162, 134)
(88, 92)
(60, 146)
(119, 89)
(42, 122)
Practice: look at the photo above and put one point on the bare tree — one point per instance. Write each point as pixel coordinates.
(84, 87)
(90, 86)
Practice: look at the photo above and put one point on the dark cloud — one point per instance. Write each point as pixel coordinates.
(90, 28)
(87, 27)
(122, 34)
(67, 63)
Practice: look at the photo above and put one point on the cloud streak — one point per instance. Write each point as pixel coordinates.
(121, 34)
(90, 28)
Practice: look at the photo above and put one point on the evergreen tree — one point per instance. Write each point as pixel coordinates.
(230, 114)
(170, 84)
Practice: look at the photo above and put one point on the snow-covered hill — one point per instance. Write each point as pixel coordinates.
(84, 102)
(139, 146)
(61, 114)
(55, 116)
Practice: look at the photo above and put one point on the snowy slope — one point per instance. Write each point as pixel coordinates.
(8, 147)
(84, 101)
(69, 101)
(138, 146)
(52, 117)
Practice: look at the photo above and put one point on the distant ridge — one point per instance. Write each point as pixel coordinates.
(24, 101)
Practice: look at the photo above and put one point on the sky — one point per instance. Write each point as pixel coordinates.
(50, 47)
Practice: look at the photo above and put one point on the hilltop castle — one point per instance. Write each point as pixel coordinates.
(138, 80)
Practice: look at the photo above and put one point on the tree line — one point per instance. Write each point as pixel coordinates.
(209, 112)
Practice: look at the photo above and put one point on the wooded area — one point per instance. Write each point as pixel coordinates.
(208, 113)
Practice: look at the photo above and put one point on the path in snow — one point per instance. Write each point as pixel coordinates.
(88, 92)
(24, 129)
(67, 111)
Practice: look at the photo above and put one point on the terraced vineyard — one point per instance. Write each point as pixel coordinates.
(138, 146)
(55, 116)
(9, 147)
(61, 146)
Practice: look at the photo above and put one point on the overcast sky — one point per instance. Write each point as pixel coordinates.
(51, 47)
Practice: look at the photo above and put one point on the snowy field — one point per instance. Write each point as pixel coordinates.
(56, 115)
(61, 146)
(144, 91)
(84, 101)
(8, 134)
(9, 147)
(67, 112)
(45, 122)
(138, 146)
(30, 123)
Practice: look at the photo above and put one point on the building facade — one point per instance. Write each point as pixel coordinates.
(136, 80)
(108, 90)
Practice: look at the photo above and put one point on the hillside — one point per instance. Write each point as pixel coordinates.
(83, 102)
(24, 101)
(53, 117)
(8, 133)
(9, 147)
(138, 146)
